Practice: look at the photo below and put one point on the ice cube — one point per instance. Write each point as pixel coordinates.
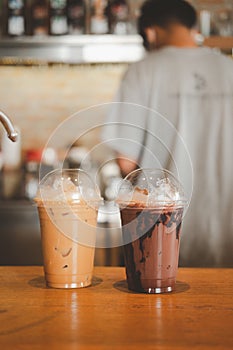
(165, 191)
(68, 186)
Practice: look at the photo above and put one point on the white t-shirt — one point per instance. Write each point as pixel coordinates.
(189, 123)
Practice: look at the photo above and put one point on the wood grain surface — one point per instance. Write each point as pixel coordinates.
(198, 315)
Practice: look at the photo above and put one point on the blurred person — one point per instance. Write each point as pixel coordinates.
(191, 89)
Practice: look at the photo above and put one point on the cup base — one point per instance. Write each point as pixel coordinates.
(152, 286)
(159, 290)
(154, 290)
(69, 281)
(68, 285)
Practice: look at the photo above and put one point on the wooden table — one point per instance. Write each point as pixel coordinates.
(199, 315)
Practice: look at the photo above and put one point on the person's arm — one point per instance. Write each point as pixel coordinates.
(123, 130)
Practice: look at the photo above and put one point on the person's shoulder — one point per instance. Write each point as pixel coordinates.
(224, 62)
(225, 58)
(138, 66)
(215, 53)
(150, 59)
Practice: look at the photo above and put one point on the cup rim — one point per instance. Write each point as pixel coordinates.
(159, 204)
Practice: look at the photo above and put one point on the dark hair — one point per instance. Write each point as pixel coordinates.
(163, 13)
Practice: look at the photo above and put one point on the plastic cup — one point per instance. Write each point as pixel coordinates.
(151, 204)
(67, 202)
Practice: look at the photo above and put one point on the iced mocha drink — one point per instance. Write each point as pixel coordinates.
(67, 263)
(151, 258)
(151, 227)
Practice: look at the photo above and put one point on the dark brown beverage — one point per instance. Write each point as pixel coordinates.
(151, 249)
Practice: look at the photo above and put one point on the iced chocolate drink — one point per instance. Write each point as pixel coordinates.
(68, 229)
(151, 227)
(151, 258)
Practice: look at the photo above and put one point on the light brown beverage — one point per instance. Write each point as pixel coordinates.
(68, 262)
(151, 250)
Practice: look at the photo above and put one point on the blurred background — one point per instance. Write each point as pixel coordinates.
(59, 57)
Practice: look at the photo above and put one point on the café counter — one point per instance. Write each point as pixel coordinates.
(198, 315)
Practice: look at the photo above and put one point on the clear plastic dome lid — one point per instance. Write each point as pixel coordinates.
(70, 199)
(151, 188)
(68, 186)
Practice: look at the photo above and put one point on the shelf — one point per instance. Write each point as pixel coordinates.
(84, 49)
(73, 49)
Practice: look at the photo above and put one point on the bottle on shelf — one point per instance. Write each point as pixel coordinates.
(31, 172)
(58, 17)
(98, 17)
(118, 17)
(37, 164)
(76, 15)
(39, 18)
(16, 17)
